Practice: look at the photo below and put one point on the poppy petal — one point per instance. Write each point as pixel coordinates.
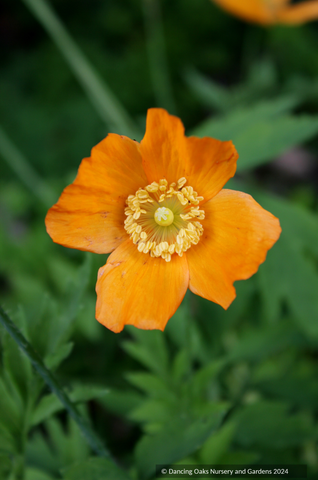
(135, 289)
(90, 212)
(211, 164)
(299, 13)
(163, 147)
(206, 163)
(238, 232)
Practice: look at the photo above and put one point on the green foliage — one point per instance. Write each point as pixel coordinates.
(262, 131)
(50, 404)
(153, 353)
(296, 385)
(269, 424)
(297, 280)
(5, 466)
(66, 446)
(224, 387)
(178, 440)
(24, 402)
(261, 81)
(94, 469)
(218, 444)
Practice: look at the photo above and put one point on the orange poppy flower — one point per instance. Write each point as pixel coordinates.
(267, 12)
(160, 208)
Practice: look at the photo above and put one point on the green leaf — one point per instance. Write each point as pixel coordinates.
(260, 133)
(268, 139)
(218, 444)
(205, 376)
(261, 79)
(7, 440)
(45, 320)
(259, 343)
(209, 92)
(17, 369)
(69, 445)
(48, 377)
(180, 366)
(50, 404)
(10, 411)
(56, 321)
(238, 457)
(185, 332)
(150, 349)
(94, 469)
(54, 359)
(59, 447)
(40, 455)
(294, 382)
(35, 474)
(241, 120)
(179, 438)
(150, 384)
(289, 275)
(73, 301)
(270, 424)
(299, 226)
(153, 411)
(121, 402)
(5, 466)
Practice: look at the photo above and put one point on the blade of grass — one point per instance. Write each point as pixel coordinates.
(92, 439)
(19, 164)
(103, 99)
(157, 55)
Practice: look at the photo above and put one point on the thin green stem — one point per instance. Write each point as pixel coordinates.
(103, 99)
(16, 160)
(92, 439)
(157, 55)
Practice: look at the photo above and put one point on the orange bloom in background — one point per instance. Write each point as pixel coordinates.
(268, 12)
(159, 207)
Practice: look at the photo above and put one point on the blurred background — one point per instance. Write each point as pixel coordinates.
(216, 387)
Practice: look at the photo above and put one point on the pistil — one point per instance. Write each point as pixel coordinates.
(163, 219)
(164, 216)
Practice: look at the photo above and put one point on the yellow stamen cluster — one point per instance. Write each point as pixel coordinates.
(150, 206)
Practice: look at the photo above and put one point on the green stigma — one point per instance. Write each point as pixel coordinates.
(164, 216)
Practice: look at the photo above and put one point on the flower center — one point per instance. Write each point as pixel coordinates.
(163, 219)
(164, 216)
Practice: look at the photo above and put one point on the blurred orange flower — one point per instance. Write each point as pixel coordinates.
(267, 12)
(160, 208)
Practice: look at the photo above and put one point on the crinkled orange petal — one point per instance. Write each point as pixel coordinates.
(211, 164)
(238, 232)
(135, 289)
(206, 163)
(163, 147)
(258, 11)
(90, 212)
(298, 14)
